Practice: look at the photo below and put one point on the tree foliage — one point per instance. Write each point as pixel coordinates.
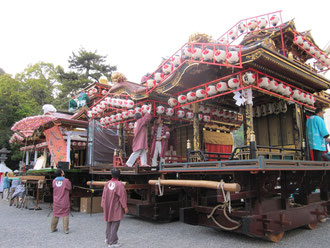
(15, 104)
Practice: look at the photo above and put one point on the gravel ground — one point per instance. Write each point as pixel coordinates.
(29, 228)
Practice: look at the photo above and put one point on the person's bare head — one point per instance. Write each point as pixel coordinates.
(319, 112)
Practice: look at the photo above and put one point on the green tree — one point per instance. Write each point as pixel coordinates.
(40, 81)
(85, 67)
(15, 104)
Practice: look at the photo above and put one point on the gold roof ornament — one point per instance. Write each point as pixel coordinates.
(200, 38)
(118, 77)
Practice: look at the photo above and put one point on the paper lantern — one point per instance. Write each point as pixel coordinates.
(180, 114)
(221, 112)
(287, 92)
(145, 108)
(207, 54)
(201, 93)
(189, 115)
(264, 82)
(274, 19)
(223, 41)
(206, 110)
(125, 115)
(281, 88)
(206, 118)
(98, 108)
(252, 24)
(249, 77)
(186, 52)
(263, 110)
(90, 114)
(311, 50)
(130, 104)
(169, 112)
(103, 104)
(159, 77)
(303, 97)
(200, 117)
(107, 120)
(220, 56)
(211, 90)
(232, 57)
(196, 53)
(182, 99)
(232, 34)
(214, 112)
(167, 69)
(113, 118)
(317, 54)
(272, 85)
(151, 83)
(131, 125)
(138, 110)
(74, 143)
(120, 102)
(241, 27)
(306, 45)
(131, 113)
(102, 120)
(160, 109)
(176, 60)
(114, 102)
(119, 117)
(296, 94)
(90, 93)
(233, 83)
(191, 96)
(222, 86)
(262, 23)
(226, 114)
(107, 100)
(299, 40)
(172, 102)
(94, 90)
(104, 92)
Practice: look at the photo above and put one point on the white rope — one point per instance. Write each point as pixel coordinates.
(160, 188)
(226, 195)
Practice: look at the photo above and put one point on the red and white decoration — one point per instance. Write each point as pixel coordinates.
(169, 112)
(180, 113)
(172, 102)
(182, 99)
(160, 109)
(191, 96)
(201, 93)
(232, 57)
(233, 83)
(220, 56)
(211, 90)
(222, 87)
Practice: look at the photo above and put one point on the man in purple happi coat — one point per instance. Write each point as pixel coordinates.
(140, 140)
(114, 204)
(159, 146)
(61, 201)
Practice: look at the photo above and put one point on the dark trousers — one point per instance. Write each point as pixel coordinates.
(111, 232)
(318, 155)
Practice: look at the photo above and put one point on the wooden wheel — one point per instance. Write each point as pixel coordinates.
(275, 237)
(312, 226)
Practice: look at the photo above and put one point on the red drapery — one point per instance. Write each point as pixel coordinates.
(218, 148)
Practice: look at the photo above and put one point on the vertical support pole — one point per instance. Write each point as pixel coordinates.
(68, 145)
(121, 140)
(297, 132)
(35, 156)
(250, 139)
(27, 158)
(282, 37)
(196, 127)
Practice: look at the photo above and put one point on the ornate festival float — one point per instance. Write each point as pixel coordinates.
(53, 139)
(261, 74)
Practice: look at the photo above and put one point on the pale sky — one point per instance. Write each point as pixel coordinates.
(135, 34)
